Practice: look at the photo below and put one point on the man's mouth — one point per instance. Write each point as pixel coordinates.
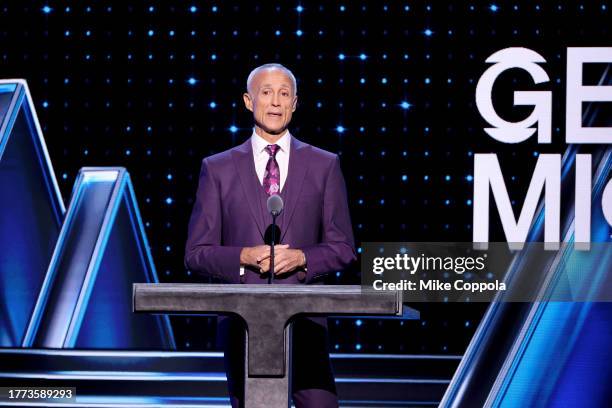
(275, 114)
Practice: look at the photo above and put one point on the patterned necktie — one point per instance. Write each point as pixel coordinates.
(271, 180)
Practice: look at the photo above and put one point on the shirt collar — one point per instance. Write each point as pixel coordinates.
(259, 143)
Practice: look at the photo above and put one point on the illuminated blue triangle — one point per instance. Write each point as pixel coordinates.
(31, 210)
(86, 299)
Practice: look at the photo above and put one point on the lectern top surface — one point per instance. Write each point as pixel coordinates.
(252, 288)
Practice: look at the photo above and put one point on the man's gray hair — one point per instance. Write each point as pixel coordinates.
(272, 66)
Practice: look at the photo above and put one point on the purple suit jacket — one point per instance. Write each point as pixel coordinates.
(229, 213)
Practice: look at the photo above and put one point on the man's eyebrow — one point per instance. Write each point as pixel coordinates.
(270, 85)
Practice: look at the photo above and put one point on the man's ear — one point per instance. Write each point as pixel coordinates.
(294, 105)
(248, 102)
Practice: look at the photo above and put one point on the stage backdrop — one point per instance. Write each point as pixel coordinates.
(389, 86)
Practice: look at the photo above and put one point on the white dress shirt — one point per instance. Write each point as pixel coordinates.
(261, 157)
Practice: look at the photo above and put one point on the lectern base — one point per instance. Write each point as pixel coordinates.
(266, 392)
(272, 392)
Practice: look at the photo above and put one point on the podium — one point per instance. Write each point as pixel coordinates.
(267, 311)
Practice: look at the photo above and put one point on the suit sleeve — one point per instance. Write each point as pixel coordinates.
(337, 248)
(204, 252)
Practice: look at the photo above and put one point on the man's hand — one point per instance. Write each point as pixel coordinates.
(253, 256)
(264, 265)
(287, 260)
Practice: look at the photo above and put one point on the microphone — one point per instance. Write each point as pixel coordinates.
(275, 206)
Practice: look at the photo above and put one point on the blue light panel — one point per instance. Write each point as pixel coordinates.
(86, 300)
(31, 210)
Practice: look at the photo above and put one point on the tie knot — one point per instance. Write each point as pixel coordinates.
(272, 149)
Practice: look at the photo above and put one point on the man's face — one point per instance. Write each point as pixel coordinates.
(272, 100)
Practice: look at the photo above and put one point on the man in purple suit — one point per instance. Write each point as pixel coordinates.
(229, 222)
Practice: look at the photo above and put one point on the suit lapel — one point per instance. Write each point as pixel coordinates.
(298, 167)
(245, 166)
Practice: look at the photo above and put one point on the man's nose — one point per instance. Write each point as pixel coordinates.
(276, 100)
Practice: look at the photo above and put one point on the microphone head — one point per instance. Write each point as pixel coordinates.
(275, 204)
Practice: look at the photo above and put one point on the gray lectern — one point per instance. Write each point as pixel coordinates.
(267, 310)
